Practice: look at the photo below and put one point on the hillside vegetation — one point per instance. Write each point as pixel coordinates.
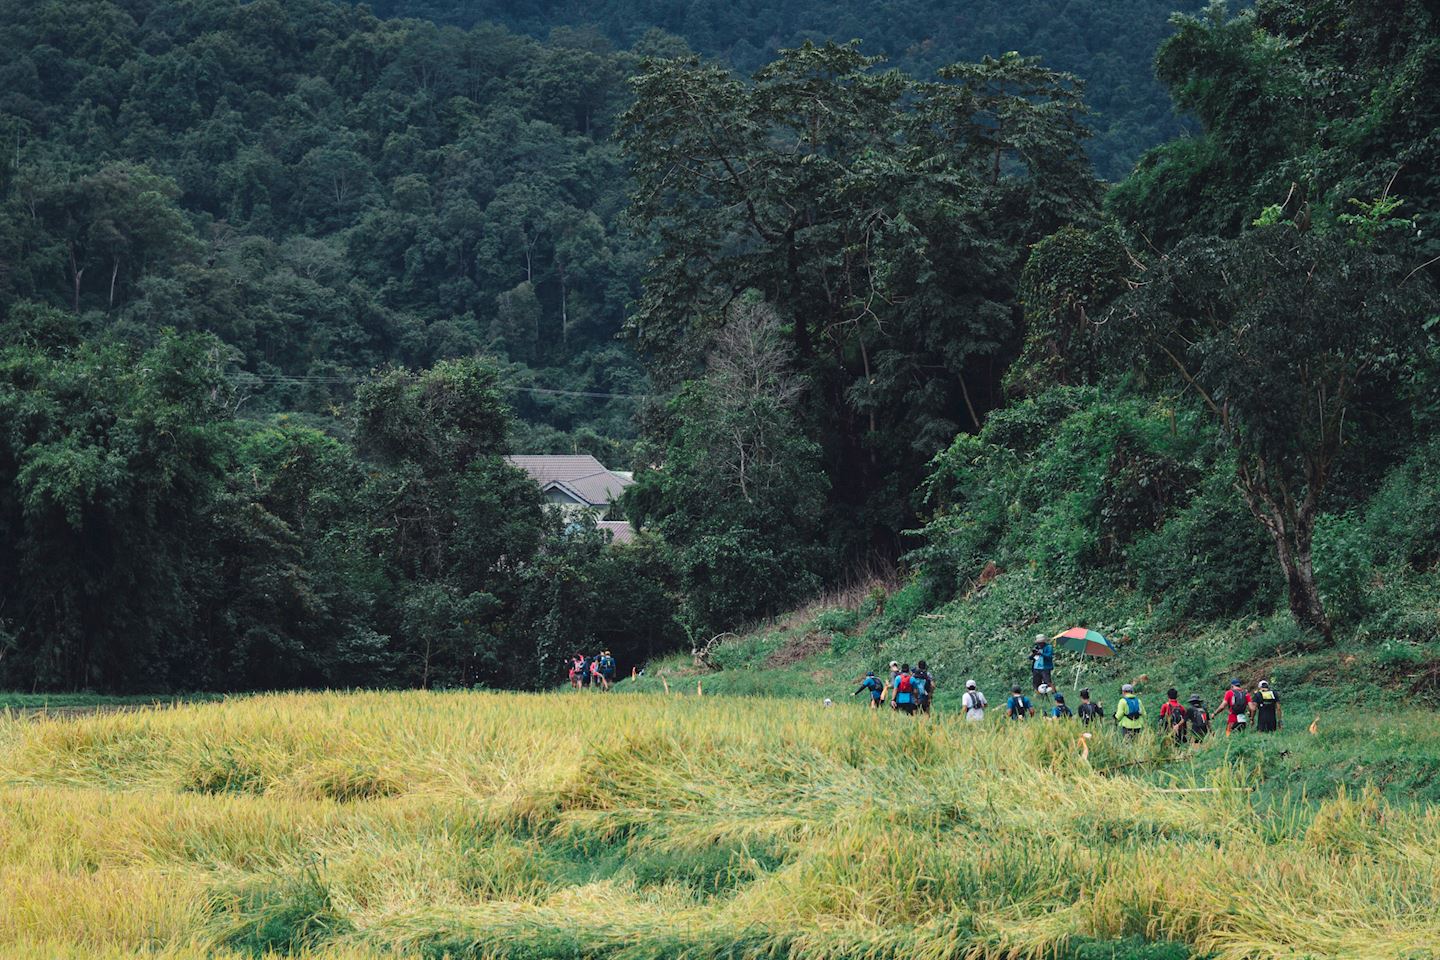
(467, 825)
(1107, 43)
(282, 284)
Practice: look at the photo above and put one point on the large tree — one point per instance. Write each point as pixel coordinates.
(884, 219)
(1286, 337)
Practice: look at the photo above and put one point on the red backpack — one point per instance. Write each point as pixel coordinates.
(904, 685)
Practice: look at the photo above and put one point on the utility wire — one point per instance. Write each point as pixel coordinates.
(272, 379)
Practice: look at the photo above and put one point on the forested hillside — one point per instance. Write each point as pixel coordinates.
(280, 285)
(1107, 43)
(217, 219)
(323, 190)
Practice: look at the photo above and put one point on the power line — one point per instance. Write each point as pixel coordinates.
(275, 379)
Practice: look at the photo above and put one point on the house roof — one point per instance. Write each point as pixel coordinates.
(582, 477)
(620, 530)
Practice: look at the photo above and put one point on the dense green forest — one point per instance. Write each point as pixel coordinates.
(281, 283)
(1107, 43)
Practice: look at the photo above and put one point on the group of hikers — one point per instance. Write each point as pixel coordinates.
(596, 672)
(912, 691)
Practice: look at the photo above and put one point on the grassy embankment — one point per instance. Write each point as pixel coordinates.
(1376, 699)
(487, 825)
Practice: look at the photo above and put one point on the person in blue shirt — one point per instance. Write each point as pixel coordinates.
(906, 696)
(1060, 711)
(1042, 662)
(876, 688)
(1018, 707)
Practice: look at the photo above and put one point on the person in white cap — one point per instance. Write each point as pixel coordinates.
(1267, 708)
(974, 702)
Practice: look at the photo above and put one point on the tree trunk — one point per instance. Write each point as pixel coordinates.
(114, 272)
(76, 272)
(1293, 532)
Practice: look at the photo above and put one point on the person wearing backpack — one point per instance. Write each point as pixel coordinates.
(1129, 712)
(1060, 711)
(920, 687)
(974, 702)
(1089, 712)
(607, 668)
(905, 690)
(1018, 707)
(927, 685)
(876, 688)
(1267, 709)
(1237, 701)
(1172, 716)
(1197, 719)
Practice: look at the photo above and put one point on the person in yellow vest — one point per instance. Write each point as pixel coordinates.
(1129, 712)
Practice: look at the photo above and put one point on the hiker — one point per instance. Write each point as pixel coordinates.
(1042, 661)
(1018, 707)
(597, 679)
(1172, 715)
(894, 671)
(876, 688)
(927, 685)
(1130, 712)
(1060, 711)
(1197, 718)
(1237, 701)
(974, 702)
(607, 668)
(920, 687)
(576, 663)
(1089, 712)
(904, 698)
(1267, 708)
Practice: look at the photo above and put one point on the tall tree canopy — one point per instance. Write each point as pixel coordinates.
(1107, 42)
(884, 218)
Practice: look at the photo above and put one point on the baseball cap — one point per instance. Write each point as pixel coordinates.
(969, 684)
(1128, 688)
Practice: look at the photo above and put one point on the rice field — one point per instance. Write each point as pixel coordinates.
(633, 827)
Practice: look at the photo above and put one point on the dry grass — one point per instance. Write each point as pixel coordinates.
(361, 826)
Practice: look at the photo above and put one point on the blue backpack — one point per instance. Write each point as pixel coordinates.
(1132, 708)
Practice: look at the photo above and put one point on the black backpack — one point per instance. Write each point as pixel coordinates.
(1199, 720)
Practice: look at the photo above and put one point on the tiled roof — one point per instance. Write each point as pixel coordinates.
(546, 468)
(583, 477)
(620, 530)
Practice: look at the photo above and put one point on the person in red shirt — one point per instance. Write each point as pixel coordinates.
(1237, 701)
(1172, 715)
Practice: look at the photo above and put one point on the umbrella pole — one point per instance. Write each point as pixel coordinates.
(1078, 668)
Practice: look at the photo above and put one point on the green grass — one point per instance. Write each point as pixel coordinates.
(1371, 730)
(85, 701)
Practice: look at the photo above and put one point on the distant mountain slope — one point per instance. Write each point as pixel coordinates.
(1109, 43)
